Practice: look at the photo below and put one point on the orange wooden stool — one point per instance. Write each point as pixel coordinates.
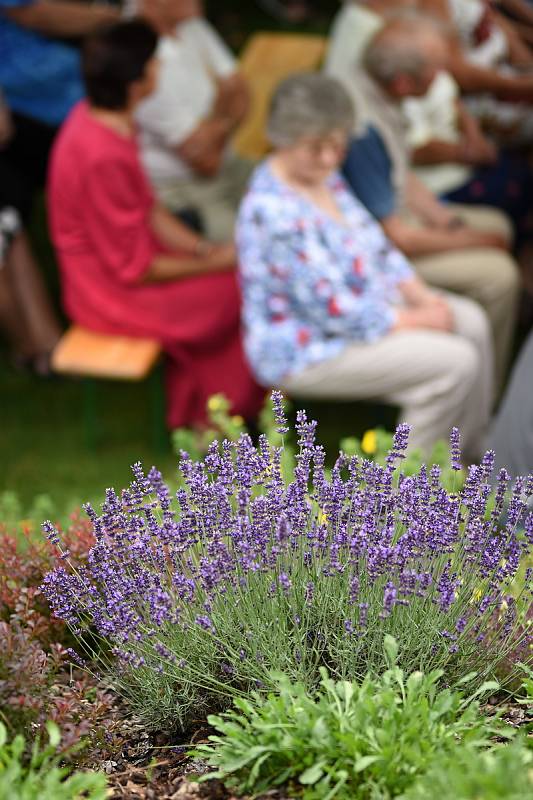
(91, 355)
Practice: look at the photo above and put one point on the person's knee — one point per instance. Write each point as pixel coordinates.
(475, 322)
(459, 366)
(497, 221)
(502, 276)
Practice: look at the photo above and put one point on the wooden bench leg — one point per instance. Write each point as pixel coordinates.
(160, 439)
(89, 413)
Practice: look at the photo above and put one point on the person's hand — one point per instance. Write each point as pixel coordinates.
(416, 292)
(222, 256)
(6, 125)
(440, 216)
(478, 150)
(198, 150)
(436, 315)
(469, 237)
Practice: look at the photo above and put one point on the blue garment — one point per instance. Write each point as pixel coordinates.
(311, 284)
(368, 171)
(40, 77)
(508, 185)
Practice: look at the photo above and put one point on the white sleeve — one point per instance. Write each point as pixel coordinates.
(163, 119)
(216, 54)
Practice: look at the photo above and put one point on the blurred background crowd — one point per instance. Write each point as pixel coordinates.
(380, 250)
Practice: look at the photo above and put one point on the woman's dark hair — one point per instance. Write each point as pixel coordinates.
(113, 58)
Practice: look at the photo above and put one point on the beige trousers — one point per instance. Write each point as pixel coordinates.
(217, 199)
(438, 379)
(487, 275)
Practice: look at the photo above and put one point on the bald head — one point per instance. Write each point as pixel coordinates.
(406, 54)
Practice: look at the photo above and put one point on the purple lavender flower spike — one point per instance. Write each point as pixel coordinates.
(348, 626)
(389, 599)
(50, 530)
(285, 582)
(455, 449)
(279, 412)
(399, 445)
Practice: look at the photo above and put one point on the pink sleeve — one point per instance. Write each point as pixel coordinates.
(116, 215)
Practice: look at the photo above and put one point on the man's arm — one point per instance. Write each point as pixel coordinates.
(421, 241)
(424, 204)
(473, 78)
(62, 17)
(518, 8)
(6, 123)
(519, 51)
(472, 148)
(204, 147)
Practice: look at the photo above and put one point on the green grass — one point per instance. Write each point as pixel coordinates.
(42, 447)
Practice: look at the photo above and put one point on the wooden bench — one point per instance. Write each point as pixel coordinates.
(266, 60)
(90, 355)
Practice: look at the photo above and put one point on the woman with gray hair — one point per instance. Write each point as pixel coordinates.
(330, 308)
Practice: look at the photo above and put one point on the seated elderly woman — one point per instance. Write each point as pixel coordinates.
(127, 265)
(331, 308)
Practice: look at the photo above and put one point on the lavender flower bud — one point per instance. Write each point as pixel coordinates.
(455, 449)
(279, 412)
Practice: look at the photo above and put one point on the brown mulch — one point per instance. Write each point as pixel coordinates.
(144, 766)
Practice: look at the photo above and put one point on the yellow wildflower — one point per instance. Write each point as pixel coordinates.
(215, 403)
(369, 443)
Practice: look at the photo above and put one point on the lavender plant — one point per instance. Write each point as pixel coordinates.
(200, 599)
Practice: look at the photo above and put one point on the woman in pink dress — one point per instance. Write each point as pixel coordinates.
(127, 265)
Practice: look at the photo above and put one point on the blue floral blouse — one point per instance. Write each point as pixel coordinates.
(311, 285)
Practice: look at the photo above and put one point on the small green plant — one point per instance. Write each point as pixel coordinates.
(43, 778)
(367, 740)
(503, 773)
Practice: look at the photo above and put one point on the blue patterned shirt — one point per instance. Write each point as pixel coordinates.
(310, 284)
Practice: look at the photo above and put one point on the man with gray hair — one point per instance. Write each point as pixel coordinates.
(455, 248)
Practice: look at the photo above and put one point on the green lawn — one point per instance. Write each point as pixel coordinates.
(43, 450)
(42, 447)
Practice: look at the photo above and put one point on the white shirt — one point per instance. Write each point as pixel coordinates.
(436, 118)
(351, 31)
(467, 15)
(190, 61)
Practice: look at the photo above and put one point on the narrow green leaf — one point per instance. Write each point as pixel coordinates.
(364, 762)
(312, 774)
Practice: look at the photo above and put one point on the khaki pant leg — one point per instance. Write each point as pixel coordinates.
(430, 374)
(488, 276)
(472, 323)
